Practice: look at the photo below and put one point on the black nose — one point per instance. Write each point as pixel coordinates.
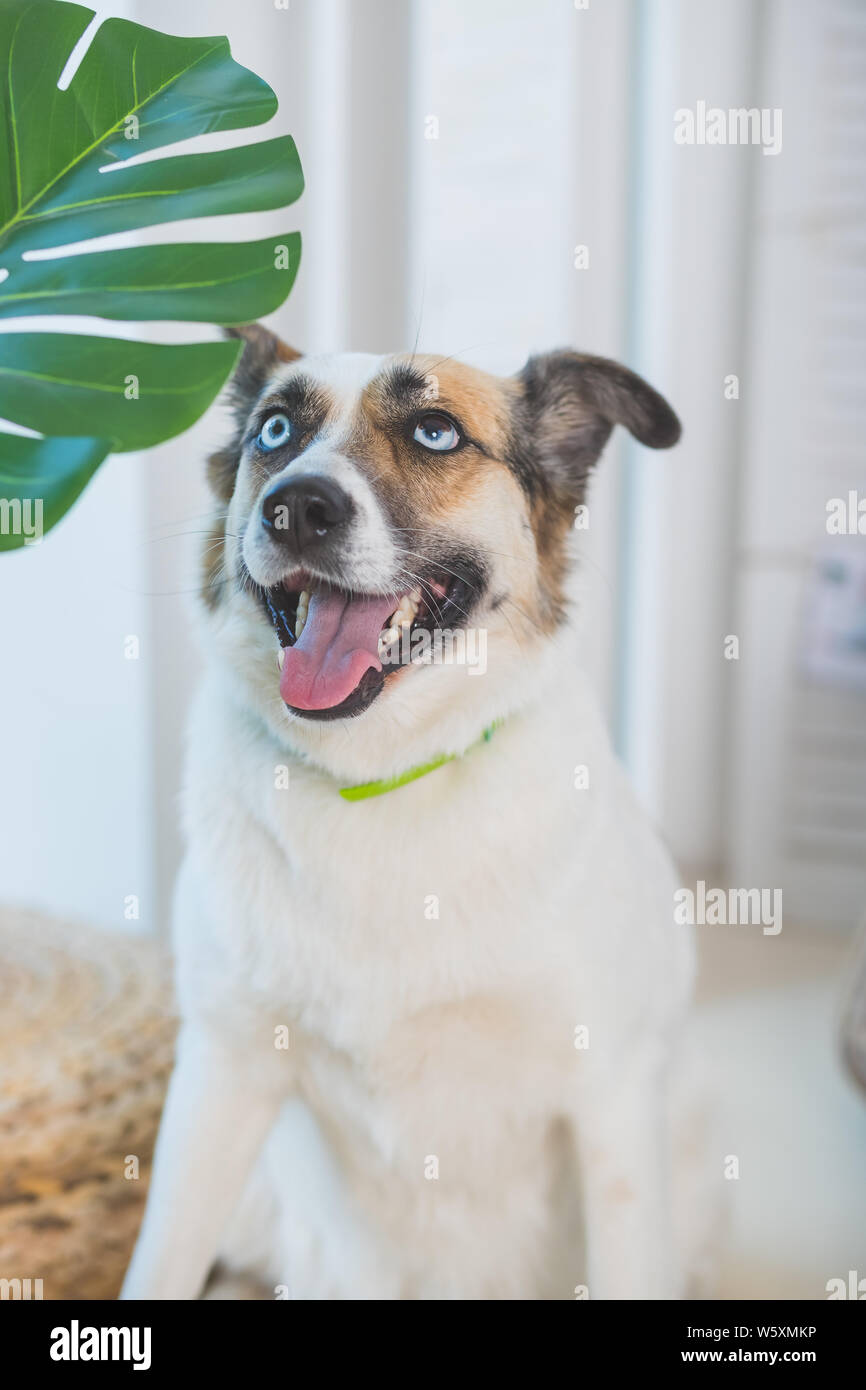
(303, 512)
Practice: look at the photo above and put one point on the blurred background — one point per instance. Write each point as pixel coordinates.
(492, 178)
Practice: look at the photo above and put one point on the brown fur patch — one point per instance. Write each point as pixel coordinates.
(213, 564)
(408, 477)
(425, 493)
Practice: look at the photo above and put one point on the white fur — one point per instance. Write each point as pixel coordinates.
(418, 1043)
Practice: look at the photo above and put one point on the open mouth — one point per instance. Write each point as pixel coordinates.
(337, 648)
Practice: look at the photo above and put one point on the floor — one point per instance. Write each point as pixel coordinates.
(768, 1018)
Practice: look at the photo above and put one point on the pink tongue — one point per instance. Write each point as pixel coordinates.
(339, 643)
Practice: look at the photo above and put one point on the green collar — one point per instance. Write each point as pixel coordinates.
(390, 784)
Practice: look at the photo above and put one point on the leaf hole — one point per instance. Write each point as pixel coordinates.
(73, 62)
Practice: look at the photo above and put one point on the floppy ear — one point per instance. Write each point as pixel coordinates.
(571, 403)
(263, 353)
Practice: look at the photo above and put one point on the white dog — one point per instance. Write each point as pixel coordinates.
(428, 970)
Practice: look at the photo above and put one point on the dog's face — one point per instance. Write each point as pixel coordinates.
(383, 514)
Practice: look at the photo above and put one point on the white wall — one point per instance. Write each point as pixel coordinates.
(688, 251)
(76, 833)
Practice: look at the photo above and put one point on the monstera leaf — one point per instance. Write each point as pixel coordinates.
(66, 177)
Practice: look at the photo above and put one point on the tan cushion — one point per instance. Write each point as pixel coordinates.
(86, 1040)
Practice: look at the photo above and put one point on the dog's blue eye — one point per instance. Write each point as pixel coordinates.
(436, 432)
(275, 431)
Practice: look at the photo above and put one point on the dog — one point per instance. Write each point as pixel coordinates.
(430, 985)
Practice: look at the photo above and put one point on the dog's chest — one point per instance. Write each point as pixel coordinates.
(397, 1003)
(347, 922)
(357, 930)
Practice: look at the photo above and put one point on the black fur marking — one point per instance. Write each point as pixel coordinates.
(305, 404)
(263, 353)
(403, 384)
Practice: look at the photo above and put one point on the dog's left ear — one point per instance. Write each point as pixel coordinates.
(570, 404)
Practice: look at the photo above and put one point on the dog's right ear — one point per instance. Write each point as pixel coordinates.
(570, 403)
(263, 353)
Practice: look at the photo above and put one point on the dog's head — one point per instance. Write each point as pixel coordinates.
(388, 520)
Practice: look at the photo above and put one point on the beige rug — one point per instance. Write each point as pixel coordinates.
(86, 1038)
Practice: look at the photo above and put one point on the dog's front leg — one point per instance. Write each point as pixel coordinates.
(625, 1170)
(215, 1120)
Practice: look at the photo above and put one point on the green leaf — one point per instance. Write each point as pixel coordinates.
(66, 177)
(208, 282)
(135, 91)
(251, 178)
(39, 481)
(133, 394)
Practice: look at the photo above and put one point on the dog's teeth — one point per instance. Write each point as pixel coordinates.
(403, 616)
(386, 638)
(281, 656)
(406, 611)
(301, 617)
